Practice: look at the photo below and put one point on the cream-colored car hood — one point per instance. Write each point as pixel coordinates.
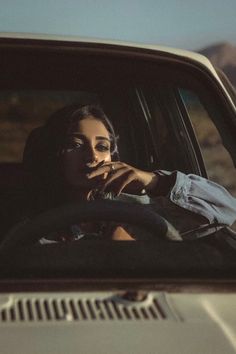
(106, 323)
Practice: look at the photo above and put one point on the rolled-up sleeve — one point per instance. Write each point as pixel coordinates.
(203, 197)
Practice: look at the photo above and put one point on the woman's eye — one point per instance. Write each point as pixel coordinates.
(73, 147)
(103, 148)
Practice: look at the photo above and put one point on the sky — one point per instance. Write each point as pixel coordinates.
(188, 24)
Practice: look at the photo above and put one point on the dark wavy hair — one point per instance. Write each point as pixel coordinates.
(41, 159)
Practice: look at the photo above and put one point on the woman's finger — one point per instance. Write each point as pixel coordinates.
(130, 177)
(126, 180)
(114, 177)
(106, 168)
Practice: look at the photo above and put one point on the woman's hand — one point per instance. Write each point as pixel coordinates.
(122, 177)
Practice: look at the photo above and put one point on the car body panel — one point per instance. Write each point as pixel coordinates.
(163, 323)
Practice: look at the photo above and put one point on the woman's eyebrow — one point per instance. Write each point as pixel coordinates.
(79, 135)
(103, 138)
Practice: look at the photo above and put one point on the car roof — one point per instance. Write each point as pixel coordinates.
(168, 50)
(174, 53)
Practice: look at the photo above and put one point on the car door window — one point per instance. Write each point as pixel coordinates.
(218, 162)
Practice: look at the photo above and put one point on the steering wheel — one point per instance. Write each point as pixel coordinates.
(100, 210)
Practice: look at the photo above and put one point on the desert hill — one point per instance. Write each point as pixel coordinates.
(223, 56)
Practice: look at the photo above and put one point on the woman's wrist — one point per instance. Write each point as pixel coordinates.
(152, 185)
(161, 184)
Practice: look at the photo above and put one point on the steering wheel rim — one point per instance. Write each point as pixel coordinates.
(100, 210)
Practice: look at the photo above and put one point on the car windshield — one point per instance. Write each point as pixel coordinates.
(166, 118)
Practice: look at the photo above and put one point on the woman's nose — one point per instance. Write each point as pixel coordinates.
(91, 154)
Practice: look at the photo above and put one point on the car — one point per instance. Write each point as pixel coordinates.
(173, 111)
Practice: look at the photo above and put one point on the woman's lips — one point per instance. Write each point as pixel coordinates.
(88, 169)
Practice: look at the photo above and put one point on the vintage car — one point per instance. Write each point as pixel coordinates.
(172, 111)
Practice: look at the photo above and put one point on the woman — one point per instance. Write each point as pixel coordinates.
(78, 160)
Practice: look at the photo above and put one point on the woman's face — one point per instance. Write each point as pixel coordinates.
(87, 145)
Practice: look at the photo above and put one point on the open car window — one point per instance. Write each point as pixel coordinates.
(217, 159)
